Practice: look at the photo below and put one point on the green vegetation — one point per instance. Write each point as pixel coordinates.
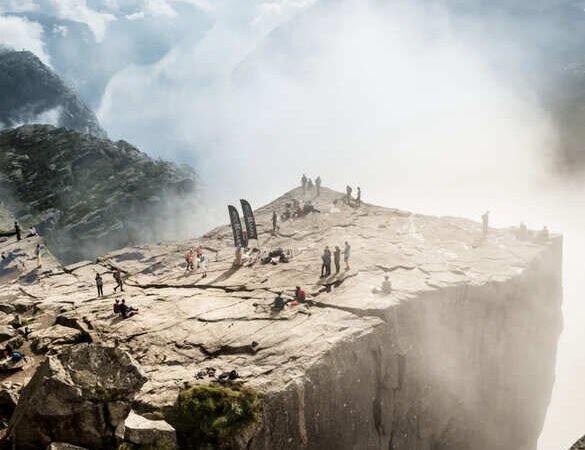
(208, 416)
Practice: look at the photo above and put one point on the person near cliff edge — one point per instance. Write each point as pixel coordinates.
(485, 219)
(318, 185)
(99, 282)
(18, 231)
(39, 254)
(348, 190)
(386, 288)
(358, 198)
(118, 278)
(304, 183)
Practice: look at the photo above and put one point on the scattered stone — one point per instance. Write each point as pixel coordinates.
(63, 446)
(142, 431)
(81, 396)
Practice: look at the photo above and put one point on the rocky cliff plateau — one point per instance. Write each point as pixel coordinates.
(460, 355)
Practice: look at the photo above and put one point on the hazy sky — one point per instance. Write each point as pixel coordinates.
(427, 108)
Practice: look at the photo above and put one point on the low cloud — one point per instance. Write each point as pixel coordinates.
(21, 34)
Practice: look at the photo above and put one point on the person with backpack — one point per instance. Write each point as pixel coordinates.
(99, 282)
(279, 303)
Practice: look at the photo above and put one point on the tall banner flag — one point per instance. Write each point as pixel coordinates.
(236, 227)
(249, 220)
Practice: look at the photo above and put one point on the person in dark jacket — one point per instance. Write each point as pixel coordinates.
(337, 258)
(18, 231)
(99, 282)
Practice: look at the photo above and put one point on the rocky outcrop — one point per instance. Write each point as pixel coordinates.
(33, 93)
(82, 397)
(460, 355)
(88, 195)
(145, 432)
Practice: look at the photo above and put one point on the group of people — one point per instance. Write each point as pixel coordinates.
(123, 310)
(201, 260)
(327, 256)
(99, 282)
(308, 185)
(298, 297)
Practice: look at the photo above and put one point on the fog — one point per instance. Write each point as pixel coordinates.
(425, 110)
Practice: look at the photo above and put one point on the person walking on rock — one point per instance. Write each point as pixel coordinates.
(348, 190)
(203, 266)
(18, 231)
(358, 198)
(485, 222)
(318, 185)
(99, 283)
(346, 254)
(304, 183)
(326, 266)
(275, 226)
(118, 278)
(337, 258)
(39, 254)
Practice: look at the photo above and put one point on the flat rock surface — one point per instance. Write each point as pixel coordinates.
(187, 322)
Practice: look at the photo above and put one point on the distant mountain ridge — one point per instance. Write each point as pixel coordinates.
(87, 195)
(32, 93)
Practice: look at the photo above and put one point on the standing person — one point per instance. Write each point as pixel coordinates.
(310, 185)
(189, 259)
(358, 198)
(38, 254)
(485, 221)
(275, 226)
(203, 266)
(118, 278)
(304, 183)
(318, 185)
(348, 190)
(346, 254)
(337, 258)
(326, 266)
(198, 253)
(17, 231)
(99, 282)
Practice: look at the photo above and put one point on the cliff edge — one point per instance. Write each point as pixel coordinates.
(460, 355)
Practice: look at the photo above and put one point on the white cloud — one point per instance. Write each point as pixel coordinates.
(19, 33)
(136, 16)
(16, 6)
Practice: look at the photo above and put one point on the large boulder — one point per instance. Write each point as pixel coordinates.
(63, 446)
(81, 396)
(145, 432)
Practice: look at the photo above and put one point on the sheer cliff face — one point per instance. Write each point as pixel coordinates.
(459, 356)
(33, 93)
(88, 195)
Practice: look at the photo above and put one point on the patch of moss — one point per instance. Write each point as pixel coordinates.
(209, 416)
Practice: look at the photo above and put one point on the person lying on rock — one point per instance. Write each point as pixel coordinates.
(386, 287)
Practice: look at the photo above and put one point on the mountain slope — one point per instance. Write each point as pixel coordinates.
(87, 195)
(33, 93)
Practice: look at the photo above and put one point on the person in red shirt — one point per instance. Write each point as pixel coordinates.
(300, 295)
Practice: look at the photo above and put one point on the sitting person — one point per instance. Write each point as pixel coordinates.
(7, 351)
(386, 287)
(32, 231)
(300, 296)
(126, 310)
(279, 303)
(117, 307)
